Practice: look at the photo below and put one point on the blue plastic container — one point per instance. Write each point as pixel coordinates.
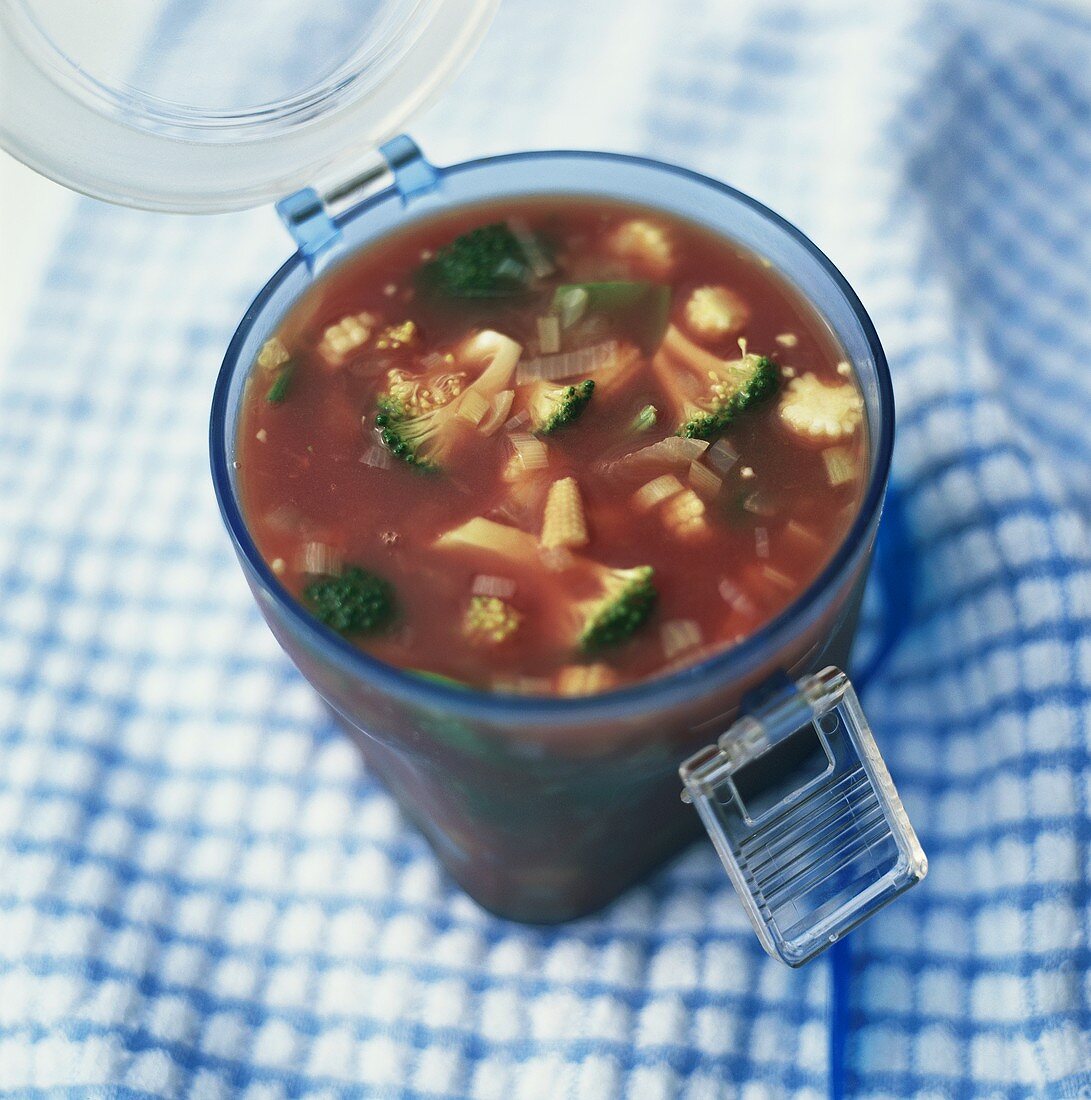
(544, 809)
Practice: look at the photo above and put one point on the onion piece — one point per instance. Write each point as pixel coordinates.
(434, 361)
(736, 598)
(538, 262)
(319, 560)
(655, 492)
(377, 456)
(704, 480)
(501, 406)
(840, 465)
(759, 503)
(761, 542)
(549, 334)
(530, 452)
(473, 407)
(721, 456)
(519, 420)
(497, 353)
(568, 364)
(781, 580)
(802, 535)
(674, 450)
(678, 635)
(571, 305)
(511, 268)
(484, 584)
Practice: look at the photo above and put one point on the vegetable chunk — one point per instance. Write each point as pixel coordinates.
(564, 522)
(552, 407)
(714, 312)
(620, 602)
(708, 393)
(645, 245)
(818, 412)
(489, 620)
(341, 340)
(419, 417)
(488, 262)
(356, 602)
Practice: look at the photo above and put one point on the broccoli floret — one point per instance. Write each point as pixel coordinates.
(745, 383)
(422, 440)
(620, 599)
(707, 393)
(419, 415)
(552, 406)
(356, 602)
(489, 620)
(485, 263)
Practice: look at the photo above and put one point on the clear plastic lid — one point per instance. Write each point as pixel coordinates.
(212, 105)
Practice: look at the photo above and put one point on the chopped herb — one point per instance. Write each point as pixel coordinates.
(278, 391)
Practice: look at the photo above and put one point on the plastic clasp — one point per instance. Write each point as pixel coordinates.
(802, 811)
(310, 214)
(305, 216)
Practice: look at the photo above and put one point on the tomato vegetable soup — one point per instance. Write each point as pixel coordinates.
(550, 447)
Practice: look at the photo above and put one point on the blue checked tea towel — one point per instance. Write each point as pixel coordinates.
(203, 893)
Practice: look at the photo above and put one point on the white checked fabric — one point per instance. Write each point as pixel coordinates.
(202, 892)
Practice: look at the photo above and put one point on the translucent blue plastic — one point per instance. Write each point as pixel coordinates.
(546, 808)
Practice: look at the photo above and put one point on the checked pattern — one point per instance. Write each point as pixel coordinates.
(203, 893)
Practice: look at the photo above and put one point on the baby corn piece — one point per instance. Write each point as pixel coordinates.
(585, 679)
(564, 523)
(490, 620)
(273, 354)
(684, 514)
(341, 340)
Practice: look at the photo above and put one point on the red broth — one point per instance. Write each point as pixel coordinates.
(321, 492)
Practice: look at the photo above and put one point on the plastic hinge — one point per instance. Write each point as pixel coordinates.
(802, 811)
(305, 216)
(414, 175)
(309, 214)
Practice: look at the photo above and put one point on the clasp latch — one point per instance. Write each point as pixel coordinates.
(802, 811)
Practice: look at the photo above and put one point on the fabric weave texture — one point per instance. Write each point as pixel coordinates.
(203, 893)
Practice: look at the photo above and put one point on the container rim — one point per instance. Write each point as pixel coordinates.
(662, 691)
